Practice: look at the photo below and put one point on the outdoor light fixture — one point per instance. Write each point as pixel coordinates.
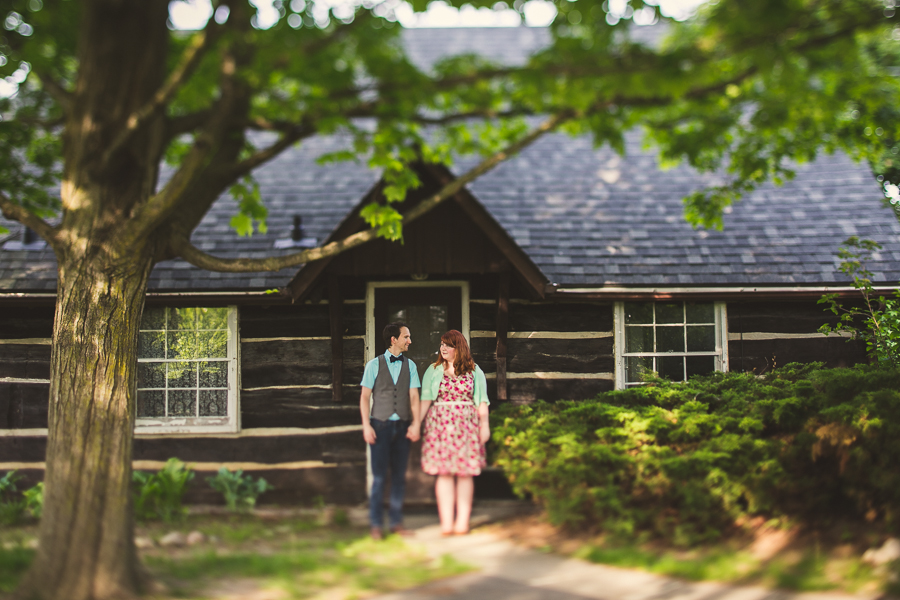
(30, 241)
(298, 238)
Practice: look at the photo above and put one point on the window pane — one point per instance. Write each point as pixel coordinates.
(670, 339)
(182, 403)
(700, 365)
(636, 367)
(151, 375)
(182, 375)
(182, 318)
(670, 313)
(700, 312)
(671, 367)
(212, 318)
(213, 403)
(151, 403)
(154, 318)
(213, 374)
(152, 344)
(182, 344)
(701, 338)
(638, 339)
(638, 312)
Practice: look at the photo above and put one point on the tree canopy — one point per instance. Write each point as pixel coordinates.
(748, 87)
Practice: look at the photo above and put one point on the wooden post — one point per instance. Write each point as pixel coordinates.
(502, 327)
(336, 319)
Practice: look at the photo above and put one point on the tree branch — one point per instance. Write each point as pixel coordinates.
(16, 212)
(189, 62)
(187, 123)
(201, 259)
(288, 138)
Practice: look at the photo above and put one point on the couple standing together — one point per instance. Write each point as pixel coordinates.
(454, 409)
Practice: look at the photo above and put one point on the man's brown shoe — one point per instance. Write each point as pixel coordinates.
(377, 534)
(402, 531)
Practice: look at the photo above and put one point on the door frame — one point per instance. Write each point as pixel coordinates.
(371, 286)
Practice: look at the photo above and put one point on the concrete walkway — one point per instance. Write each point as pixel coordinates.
(509, 572)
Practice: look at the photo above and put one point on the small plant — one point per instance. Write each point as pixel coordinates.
(34, 500)
(11, 509)
(158, 495)
(240, 491)
(880, 315)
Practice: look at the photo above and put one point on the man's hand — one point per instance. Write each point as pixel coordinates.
(369, 434)
(413, 433)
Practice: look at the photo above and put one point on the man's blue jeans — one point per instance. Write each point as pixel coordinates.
(390, 451)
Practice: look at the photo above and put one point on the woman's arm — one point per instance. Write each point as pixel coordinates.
(484, 428)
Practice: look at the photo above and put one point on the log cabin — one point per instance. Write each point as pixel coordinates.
(570, 269)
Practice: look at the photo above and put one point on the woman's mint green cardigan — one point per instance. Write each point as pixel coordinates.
(431, 383)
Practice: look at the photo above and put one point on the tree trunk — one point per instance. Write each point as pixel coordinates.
(86, 546)
(86, 542)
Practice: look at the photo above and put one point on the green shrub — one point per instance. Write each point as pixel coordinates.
(158, 495)
(686, 460)
(12, 508)
(240, 491)
(34, 500)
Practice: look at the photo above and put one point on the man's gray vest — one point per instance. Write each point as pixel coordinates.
(389, 397)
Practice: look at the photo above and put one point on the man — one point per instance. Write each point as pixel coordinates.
(389, 404)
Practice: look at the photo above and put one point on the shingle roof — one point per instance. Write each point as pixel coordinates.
(586, 216)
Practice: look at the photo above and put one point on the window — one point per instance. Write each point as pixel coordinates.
(187, 370)
(674, 339)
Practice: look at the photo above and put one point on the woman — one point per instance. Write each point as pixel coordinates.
(455, 405)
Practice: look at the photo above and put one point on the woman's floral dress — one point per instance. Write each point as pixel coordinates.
(451, 444)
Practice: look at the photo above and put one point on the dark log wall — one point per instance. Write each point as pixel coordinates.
(766, 335)
(296, 435)
(555, 350)
(293, 433)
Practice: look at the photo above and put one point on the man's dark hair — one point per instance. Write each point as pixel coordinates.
(392, 330)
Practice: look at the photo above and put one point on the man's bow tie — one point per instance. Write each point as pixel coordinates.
(396, 358)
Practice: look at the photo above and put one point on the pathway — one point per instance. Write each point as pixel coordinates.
(510, 572)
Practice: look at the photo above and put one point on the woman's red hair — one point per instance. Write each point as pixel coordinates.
(463, 362)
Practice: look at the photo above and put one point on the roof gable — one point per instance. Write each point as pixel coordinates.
(457, 238)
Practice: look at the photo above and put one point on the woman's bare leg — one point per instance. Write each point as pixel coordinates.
(465, 490)
(445, 492)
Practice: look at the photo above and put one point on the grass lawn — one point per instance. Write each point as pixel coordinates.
(763, 555)
(267, 557)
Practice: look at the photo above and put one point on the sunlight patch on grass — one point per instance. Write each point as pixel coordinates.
(807, 571)
(306, 567)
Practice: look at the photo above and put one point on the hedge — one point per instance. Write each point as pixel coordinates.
(687, 460)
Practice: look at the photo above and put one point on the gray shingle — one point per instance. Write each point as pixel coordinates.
(586, 216)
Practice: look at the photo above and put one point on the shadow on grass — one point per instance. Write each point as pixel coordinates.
(297, 557)
(13, 562)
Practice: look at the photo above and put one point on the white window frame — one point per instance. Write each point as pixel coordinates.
(201, 425)
(721, 356)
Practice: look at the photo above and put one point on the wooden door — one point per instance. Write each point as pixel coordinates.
(428, 312)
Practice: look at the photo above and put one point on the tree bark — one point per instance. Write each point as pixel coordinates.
(86, 549)
(86, 541)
